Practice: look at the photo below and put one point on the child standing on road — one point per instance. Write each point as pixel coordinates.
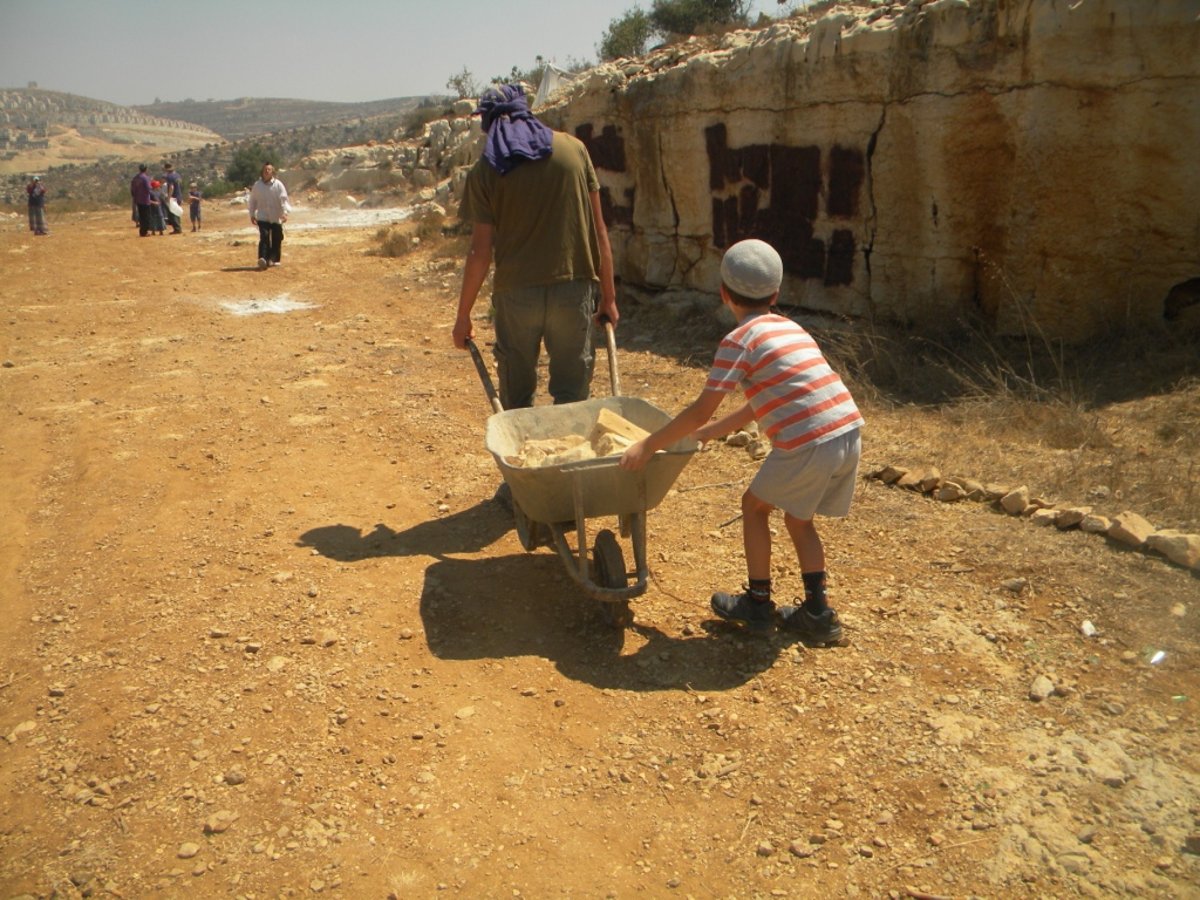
(812, 421)
(194, 198)
(158, 216)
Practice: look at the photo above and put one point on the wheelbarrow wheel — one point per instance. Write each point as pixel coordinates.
(531, 534)
(611, 573)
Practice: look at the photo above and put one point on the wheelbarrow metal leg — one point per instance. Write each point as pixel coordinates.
(580, 526)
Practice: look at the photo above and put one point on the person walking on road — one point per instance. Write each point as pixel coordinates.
(269, 210)
(142, 194)
(37, 205)
(534, 204)
(174, 185)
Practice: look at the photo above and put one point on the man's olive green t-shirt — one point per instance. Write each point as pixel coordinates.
(541, 214)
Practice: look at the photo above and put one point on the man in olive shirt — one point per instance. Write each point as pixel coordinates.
(534, 203)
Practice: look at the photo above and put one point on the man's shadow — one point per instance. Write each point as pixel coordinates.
(467, 531)
(241, 269)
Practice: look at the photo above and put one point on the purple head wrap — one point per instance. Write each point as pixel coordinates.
(514, 134)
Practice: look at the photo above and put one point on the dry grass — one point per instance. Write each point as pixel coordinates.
(1114, 424)
(400, 240)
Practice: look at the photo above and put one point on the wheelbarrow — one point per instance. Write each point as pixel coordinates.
(550, 501)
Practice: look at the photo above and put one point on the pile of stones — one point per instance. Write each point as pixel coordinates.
(1126, 529)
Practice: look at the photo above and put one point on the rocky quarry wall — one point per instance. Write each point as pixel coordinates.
(1034, 162)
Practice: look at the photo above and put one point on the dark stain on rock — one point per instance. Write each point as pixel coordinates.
(773, 192)
(839, 268)
(607, 151)
(846, 169)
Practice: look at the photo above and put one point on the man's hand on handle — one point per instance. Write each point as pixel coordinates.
(464, 331)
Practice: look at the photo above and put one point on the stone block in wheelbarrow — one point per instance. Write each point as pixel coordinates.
(547, 493)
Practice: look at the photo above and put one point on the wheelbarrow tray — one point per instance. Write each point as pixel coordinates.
(547, 493)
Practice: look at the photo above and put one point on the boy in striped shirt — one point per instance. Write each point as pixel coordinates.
(802, 405)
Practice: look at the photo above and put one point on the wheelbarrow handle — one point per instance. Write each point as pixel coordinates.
(610, 336)
(484, 376)
(614, 376)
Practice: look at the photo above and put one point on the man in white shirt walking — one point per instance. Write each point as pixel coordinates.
(269, 209)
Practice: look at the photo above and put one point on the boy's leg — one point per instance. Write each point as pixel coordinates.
(815, 480)
(810, 552)
(756, 536)
(753, 607)
(813, 619)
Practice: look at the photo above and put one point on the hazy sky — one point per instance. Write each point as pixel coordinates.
(131, 51)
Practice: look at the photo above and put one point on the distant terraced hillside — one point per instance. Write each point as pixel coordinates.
(250, 116)
(40, 129)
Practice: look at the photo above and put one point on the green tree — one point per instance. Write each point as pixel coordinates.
(463, 84)
(247, 163)
(696, 16)
(626, 36)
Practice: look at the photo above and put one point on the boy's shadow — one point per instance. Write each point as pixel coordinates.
(527, 605)
(241, 269)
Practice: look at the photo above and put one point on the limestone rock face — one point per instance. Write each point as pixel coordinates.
(1032, 160)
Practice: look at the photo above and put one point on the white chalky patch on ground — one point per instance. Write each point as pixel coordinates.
(306, 219)
(281, 304)
(348, 218)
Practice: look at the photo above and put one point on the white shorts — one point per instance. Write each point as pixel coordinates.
(812, 479)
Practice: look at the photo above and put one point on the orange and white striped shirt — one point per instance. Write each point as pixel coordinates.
(796, 397)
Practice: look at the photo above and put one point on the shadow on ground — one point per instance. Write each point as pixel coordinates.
(528, 605)
(468, 531)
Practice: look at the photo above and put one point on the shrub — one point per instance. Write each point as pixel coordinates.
(626, 36)
(696, 16)
(246, 165)
(219, 187)
(416, 120)
(403, 239)
(463, 84)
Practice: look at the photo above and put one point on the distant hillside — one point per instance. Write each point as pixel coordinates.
(40, 129)
(105, 178)
(250, 116)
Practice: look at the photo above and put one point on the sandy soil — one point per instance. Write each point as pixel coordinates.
(267, 634)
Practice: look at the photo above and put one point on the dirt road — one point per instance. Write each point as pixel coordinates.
(266, 633)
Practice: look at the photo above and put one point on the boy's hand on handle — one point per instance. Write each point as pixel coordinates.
(703, 435)
(635, 458)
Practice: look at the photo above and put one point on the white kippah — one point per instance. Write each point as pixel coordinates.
(752, 268)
